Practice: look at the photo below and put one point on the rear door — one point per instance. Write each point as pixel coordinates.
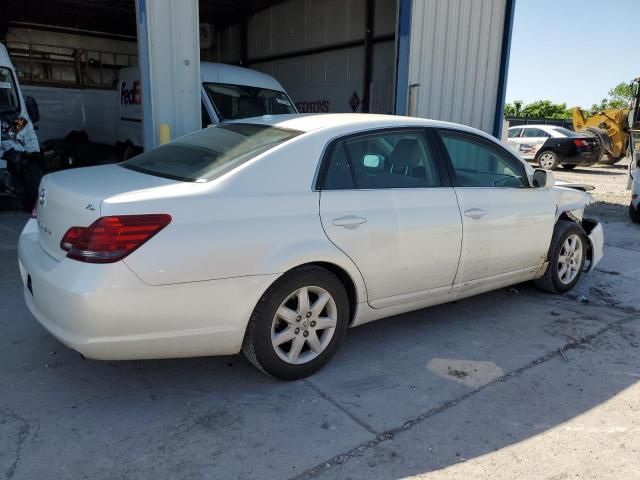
(531, 141)
(386, 203)
(507, 224)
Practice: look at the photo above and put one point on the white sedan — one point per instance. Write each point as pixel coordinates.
(273, 235)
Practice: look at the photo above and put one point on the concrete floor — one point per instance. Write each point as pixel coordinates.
(511, 384)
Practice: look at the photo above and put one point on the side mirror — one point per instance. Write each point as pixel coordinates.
(32, 109)
(543, 179)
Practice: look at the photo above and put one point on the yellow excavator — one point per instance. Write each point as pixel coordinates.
(610, 127)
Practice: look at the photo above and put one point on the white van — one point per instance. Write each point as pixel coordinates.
(19, 171)
(228, 93)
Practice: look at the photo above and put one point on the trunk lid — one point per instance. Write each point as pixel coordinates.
(74, 198)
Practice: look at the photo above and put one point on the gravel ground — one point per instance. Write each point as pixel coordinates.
(611, 194)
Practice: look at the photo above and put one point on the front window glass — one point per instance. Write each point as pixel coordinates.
(209, 153)
(476, 164)
(8, 96)
(233, 102)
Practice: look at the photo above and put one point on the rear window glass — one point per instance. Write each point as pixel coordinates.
(566, 132)
(209, 153)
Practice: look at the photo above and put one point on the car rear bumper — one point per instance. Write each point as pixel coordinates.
(105, 312)
(585, 159)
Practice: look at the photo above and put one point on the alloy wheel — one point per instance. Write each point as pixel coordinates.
(304, 325)
(570, 259)
(547, 160)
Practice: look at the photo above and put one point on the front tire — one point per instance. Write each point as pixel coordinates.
(548, 159)
(566, 257)
(298, 324)
(634, 213)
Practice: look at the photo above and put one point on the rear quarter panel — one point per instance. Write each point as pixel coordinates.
(262, 218)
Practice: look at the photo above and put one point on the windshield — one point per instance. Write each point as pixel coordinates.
(8, 95)
(209, 153)
(566, 132)
(233, 102)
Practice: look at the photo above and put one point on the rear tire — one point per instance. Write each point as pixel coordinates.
(634, 213)
(608, 160)
(287, 337)
(548, 159)
(565, 264)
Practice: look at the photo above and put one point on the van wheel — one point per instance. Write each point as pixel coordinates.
(298, 324)
(566, 257)
(129, 151)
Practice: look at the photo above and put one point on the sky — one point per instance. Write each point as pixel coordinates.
(572, 51)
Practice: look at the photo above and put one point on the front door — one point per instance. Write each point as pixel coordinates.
(386, 205)
(507, 224)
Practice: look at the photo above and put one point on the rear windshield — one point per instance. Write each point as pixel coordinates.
(566, 132)
(206, 154)
(233, 102)
(8, 95)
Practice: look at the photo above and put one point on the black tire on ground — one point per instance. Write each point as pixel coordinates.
(30, 176)
(257, 345)
(569, 166)
(550, 158)
(550, 281)
(609, 160)
(634, 214)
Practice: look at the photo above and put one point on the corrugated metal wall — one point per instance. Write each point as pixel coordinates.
(455, 50)
(321, 81)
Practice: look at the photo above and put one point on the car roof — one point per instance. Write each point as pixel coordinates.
(355, 121)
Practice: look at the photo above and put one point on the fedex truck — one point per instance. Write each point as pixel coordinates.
(227, 93)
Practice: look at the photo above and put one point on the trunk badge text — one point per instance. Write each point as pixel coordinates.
(90, 207)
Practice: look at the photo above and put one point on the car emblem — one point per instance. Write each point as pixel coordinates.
(90, 207)
(42, 197)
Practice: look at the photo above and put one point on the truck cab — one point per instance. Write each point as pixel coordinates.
(227, 93)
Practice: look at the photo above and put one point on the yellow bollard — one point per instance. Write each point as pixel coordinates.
(164, 133)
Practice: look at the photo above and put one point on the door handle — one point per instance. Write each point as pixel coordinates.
(475, 213)
(349, 221)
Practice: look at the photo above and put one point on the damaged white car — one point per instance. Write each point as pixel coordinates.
(273, 235)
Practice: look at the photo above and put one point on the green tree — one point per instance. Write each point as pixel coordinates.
(618, 97)
(537, 109)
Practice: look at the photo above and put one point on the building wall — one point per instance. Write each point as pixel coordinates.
(60, 46)
(455, 49)
(326, 81)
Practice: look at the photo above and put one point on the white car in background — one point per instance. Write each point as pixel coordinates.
(551, 146)
(274, 235)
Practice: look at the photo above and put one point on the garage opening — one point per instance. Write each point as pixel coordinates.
(329, 55)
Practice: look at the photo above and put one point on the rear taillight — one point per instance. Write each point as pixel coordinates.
(71, 237)
(580, 143)
(110, 239)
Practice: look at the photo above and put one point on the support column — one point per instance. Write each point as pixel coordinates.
(169, 60)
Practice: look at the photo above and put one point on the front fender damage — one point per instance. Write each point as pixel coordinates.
(570, 204)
